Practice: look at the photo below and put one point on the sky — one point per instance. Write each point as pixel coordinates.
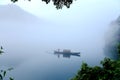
(78, 8)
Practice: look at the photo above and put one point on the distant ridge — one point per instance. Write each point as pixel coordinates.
(15, 13)
(112, 39)
(118, 20)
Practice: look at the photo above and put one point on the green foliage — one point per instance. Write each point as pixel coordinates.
(14, 0)
(110, 70)
(118, 48)
(11, 78)
(4, 72)
(1, 50)
(58, 3)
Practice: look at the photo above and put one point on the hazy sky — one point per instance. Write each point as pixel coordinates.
(78, 8)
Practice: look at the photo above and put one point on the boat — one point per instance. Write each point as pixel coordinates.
(66, 52)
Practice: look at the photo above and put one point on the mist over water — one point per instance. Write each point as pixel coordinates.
(29, 43)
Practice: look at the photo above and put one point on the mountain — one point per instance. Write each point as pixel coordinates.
(112, 39)
(114, 31)
(15, 13)
(18, 30)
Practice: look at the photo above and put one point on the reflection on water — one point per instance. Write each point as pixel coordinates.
(46, 66)
(66, 53)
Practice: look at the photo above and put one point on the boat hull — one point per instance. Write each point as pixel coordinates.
(69, 53)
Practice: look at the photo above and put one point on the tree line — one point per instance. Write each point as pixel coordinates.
(58, 3)
(4, 72)
(110, 69)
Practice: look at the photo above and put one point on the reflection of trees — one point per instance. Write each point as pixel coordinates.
(4, 72)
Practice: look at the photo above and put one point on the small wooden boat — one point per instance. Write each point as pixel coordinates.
(67, 52)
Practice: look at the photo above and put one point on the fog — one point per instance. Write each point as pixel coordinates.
(112, 38)
(22, 33)
(29, 42)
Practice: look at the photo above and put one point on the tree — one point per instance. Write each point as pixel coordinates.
(118, 49)
(110, 70)
(58, 3)
(4, 72)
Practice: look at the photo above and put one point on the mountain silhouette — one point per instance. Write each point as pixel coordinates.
(112, 39)
(14, 13)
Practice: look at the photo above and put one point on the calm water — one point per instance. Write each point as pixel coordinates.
(29, 43)
(32, 56)
(35, 63)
